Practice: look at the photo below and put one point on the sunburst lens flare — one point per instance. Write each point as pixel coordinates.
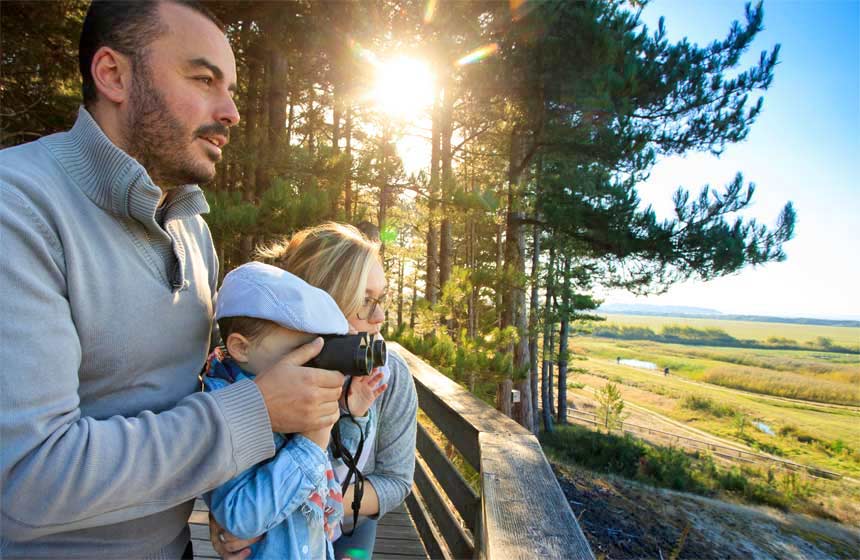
(519, 8)
(430, 10)
(404, 87)
(479, 54)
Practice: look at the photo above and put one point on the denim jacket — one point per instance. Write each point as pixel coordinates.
(292, 498)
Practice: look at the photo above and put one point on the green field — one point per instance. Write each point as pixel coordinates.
(809, 399)
(714, 389)
(841, 336)
(813, 376)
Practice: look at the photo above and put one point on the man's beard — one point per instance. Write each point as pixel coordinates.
(159, 141)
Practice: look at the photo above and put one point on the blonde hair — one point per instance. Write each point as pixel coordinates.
(334, 257)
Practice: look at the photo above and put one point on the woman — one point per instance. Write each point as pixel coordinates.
(342, 261)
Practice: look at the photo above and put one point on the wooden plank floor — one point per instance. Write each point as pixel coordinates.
(396, 537)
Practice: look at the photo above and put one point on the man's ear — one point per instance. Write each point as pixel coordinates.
(238, 347)
(111, 71)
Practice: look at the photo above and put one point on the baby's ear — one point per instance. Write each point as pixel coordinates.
(238, 347)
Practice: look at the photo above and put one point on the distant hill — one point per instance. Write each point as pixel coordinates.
(706, 313)
(660, 310)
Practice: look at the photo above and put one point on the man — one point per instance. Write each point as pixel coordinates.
(106, 294)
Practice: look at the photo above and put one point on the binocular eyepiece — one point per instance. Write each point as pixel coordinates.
(351, 354)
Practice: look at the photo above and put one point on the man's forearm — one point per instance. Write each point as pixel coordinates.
(113, 470)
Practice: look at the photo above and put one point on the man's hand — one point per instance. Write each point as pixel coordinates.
(300, 399)
(363, 390)
(227, 546)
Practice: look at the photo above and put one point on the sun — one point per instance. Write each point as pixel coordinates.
(404, 87)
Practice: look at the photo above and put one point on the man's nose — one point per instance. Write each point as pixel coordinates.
(228, 113)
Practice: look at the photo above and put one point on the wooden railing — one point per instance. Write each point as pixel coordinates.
(521, 511)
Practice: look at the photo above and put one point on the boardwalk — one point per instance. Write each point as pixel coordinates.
(396, 538)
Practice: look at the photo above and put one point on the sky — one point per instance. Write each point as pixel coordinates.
(804, 148)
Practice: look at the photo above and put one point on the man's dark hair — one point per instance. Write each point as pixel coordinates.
(127, 27)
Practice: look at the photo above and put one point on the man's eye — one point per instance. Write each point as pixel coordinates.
(205, 79)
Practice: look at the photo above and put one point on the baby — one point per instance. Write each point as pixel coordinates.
(263, 313)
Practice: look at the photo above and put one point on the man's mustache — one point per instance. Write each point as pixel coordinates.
(214, 129)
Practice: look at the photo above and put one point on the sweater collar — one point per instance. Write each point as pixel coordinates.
(114, 180)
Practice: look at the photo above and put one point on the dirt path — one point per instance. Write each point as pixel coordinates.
(584, 399)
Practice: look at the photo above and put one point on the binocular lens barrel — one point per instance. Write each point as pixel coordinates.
(380, 353)
(351, 354)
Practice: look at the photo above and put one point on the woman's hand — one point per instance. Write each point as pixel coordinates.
(363, 390)
(226, 545)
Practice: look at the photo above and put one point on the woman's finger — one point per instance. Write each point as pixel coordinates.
(379, 390)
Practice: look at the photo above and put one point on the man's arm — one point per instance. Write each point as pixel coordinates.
(61, 470)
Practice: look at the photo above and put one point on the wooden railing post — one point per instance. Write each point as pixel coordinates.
(522, 513)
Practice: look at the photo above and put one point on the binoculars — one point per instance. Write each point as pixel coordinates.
(351, 354)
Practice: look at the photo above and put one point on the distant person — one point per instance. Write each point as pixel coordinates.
(106, 289)
(666, 371)
(618, 360)
(265, 313)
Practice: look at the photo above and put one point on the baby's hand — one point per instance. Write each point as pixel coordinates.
(363, 390)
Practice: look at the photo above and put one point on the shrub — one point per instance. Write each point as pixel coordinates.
(707, 405)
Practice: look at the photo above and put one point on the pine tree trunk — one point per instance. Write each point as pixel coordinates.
(446, 185)
(514, 312)
(503, 397)
(310, 119)
(251, 116)
(548, 327)
(473, 295)
(400, 281)
(291, 121)
(432, 276)
(561, 417)
(347, 187)
(552, 373)
(533, 318)
(412, 309)
(336, 129)
(499, 273)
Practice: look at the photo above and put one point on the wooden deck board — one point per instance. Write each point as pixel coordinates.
(396, 537)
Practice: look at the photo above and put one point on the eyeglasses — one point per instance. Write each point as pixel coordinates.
(366, 311)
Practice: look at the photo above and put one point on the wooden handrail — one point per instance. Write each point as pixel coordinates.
(521, 511)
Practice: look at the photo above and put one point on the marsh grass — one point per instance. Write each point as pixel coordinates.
(784, 384)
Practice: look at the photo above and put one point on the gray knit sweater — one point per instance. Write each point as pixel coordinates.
(105, 319)
(391, 465)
